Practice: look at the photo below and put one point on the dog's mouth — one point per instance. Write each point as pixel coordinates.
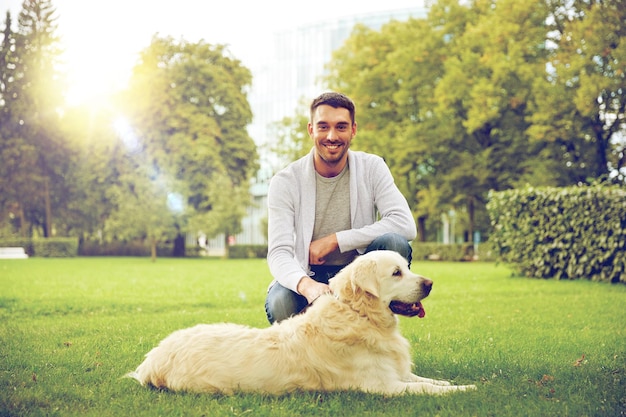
(409, 310)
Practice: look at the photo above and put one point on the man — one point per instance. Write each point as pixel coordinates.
(326, 208)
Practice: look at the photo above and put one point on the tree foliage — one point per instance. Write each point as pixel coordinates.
(478, 96)
(34, 155)
(488, 95)
(188, 109)
(292, 140)
(170, 154)
(580, 104)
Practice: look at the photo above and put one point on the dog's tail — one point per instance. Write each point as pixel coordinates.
(134, 375)
(148, 373)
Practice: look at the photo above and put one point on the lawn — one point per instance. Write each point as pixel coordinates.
(71, 328)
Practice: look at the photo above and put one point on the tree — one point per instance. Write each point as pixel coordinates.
(145, 206)
(32, 150)
(395, 76)
(482, 103)
(7, 74)
(187, 104)
(379, 70)
(454, 102)
(17, 157)
(579, 105)
(99, 158)
(292, 139)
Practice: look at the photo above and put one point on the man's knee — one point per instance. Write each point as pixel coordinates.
(282, 303)
(394, 242)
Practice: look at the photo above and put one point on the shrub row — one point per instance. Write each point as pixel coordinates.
(137, 248)
(63, 247)
(57, 247)
(440, 252)
(247, 251)
(421, 251)
(563, 233)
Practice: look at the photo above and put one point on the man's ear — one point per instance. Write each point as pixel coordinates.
(364, 276)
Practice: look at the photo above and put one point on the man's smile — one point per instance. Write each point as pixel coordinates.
(333, 146)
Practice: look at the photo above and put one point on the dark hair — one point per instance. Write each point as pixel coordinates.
(336, 100)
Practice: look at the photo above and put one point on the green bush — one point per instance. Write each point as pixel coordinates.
(247, 251)
(122, 248)
(421, 251)
(55, 247)
(442, 252)
(563, 233)
(25, 243)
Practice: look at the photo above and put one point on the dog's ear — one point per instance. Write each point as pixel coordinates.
(364, 276)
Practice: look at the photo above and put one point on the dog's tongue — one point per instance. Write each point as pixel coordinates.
(409, 310)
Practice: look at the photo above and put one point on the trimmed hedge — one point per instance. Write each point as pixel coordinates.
(421, 251)
(443, 252)
(17, 242)
(56, 247)
(53, 247)
(247, 251)
(562, 233)
(117, 248)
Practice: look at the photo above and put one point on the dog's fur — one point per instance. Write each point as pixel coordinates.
(345, 341)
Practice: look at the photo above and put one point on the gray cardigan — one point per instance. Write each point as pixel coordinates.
(291, 213)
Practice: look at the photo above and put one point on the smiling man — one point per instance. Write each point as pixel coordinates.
(327, 208)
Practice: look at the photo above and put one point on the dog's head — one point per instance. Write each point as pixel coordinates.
(382, 280)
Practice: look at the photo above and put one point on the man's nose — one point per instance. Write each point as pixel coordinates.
(332, 134)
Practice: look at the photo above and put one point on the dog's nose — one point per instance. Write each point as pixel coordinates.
(427, 285)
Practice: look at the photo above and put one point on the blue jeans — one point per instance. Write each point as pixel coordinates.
(282, 303)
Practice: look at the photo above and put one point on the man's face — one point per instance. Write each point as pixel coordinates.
(332, 131)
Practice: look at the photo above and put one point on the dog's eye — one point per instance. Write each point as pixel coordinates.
(397, 272)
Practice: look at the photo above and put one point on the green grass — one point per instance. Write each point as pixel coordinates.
(71, 328)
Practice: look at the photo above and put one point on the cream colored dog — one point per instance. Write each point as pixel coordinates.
(345, 341)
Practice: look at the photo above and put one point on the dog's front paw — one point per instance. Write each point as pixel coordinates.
(441, 382)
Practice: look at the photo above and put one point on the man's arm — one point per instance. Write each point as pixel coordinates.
(311, 289)
(377, 191)
(322, 247)
(282, 211)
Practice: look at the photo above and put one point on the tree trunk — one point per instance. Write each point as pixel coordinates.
(153, 249)
(601, 160)
(179, 246)
(471, 213)
(421, 228)
(22, 217)
(227, 242)
(48, 220)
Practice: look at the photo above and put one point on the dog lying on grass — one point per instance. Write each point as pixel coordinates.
(347, 340)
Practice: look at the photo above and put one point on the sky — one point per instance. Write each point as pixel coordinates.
(102, 38)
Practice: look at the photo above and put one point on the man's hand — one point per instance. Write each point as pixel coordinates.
(320, 248)
(312, 289)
